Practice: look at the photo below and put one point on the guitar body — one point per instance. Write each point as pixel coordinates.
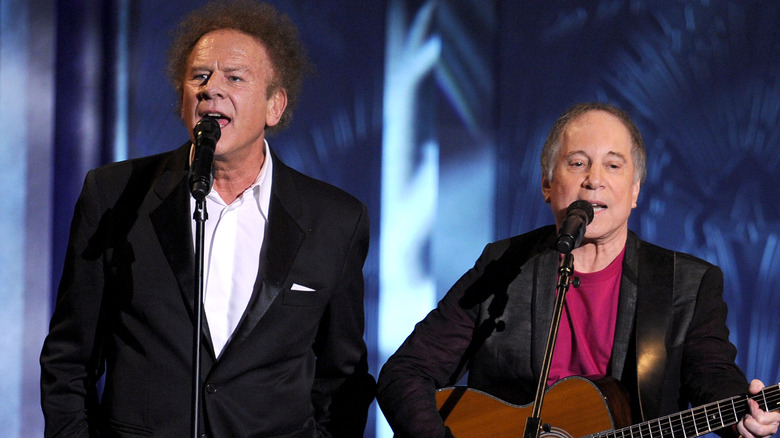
(576, 407)
(572, 407)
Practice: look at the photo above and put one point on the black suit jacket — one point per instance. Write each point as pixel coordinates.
(671, 343)
(296, 364)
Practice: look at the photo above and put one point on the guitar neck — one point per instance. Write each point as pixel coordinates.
(699, 420)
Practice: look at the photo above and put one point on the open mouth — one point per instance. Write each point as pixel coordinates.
(597, 206)
(221, 119)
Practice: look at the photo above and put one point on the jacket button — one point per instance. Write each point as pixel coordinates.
(203, 435)
(211, 388)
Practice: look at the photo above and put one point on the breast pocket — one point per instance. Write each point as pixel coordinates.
(304, 298)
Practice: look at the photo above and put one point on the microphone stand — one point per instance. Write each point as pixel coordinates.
(199, 216)
(533, 423)
(206, 133)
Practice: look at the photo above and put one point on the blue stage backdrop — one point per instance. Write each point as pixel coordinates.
(431, 112)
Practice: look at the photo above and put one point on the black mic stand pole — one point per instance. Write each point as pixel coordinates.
(199, 216)
(533, 423)
(206, 133)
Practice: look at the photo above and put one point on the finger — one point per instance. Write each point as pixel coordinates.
(758, 426)
(756, 386)
(742, 429)
(755, 409)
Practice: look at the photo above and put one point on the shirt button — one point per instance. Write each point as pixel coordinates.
(211, 388)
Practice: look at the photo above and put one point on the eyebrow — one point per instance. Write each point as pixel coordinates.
(610, 153)
(228, 69)
(231, 69)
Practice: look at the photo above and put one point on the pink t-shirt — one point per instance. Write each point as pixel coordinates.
(587, 330)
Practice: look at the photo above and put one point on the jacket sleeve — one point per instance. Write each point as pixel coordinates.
(709, 370)
(71, 355)
(428, 360)
(343, 389)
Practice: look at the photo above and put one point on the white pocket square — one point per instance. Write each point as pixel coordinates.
(301, 287)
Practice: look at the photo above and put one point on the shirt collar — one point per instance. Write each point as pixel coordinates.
(260, 189)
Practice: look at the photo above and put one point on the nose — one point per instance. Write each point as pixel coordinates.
(211, 88)
(593, 178)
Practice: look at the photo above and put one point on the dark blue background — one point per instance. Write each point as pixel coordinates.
(700, 79)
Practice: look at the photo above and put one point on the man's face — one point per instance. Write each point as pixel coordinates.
(595, 164)
(227, 76)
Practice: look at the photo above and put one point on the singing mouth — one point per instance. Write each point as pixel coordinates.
(221, 118)
(597, 206)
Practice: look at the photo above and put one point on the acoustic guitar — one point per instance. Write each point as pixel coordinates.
(577, 407)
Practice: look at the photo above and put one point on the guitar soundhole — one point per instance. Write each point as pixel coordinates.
(555, 432)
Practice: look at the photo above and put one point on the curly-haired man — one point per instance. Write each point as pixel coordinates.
(282, 345)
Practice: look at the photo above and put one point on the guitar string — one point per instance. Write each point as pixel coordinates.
(768, 399)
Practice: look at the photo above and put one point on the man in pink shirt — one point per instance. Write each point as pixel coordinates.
(652, 318)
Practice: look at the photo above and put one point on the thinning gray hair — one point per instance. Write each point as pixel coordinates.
(553, 143)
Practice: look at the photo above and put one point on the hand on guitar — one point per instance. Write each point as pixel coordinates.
(758, 423)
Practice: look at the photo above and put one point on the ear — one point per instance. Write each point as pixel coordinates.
(546, 189)
(276, 105)
(635, 193)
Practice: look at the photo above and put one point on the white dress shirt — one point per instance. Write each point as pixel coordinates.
(233, 239)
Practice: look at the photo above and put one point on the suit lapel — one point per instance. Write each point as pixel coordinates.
(172, 222)
(283, 238)
(624, 326)
(263, 296)
(544, 303)
(656, 291)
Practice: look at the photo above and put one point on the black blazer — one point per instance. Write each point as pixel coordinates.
(494, 322)
(296, 365)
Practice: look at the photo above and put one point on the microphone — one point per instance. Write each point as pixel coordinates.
(206, 133)
(578, 215)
